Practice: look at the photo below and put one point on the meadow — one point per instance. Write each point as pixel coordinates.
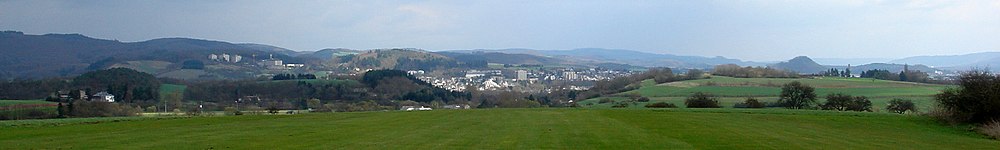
(731, 90)
(505, 129)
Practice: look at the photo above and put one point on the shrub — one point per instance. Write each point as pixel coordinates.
(991, 129)
(901, 106)
(661, 105)
(844, 102)
(701, 100)
(976, 99)
(751, 102)
(643, 99)
(796, 95)
(605, 100)
(620, 105)
(232, 111)
(102, 109)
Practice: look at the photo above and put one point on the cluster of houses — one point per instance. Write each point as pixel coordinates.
(102, 96)
(424, 108)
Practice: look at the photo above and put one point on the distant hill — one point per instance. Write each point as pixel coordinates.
(330, 53)
(851, 61)
(405, 59)
(270, 48)
(801, 64)
(962, 62)
(52, 55)
(504, 58)
(630, 57)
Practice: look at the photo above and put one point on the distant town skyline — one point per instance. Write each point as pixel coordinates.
(748, 30)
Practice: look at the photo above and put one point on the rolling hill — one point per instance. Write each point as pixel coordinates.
(954, 61)
(630, 57)
(801, 64)
(54, 55)
(405, 59)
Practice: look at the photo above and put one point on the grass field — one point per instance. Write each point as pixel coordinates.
(20, 102)
(734, 90)
(505, 129)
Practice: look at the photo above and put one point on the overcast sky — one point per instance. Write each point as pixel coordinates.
(752, 30)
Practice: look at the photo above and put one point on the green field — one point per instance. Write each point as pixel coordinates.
(20, 102)
(734, 90)
(506, 129)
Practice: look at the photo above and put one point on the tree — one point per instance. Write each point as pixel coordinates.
(192, 64)
(838, 101)
(844, 102)
(902, 76)
(796, 95)
(901, 106)
(314, 103)
(643, 99)
(976, 100)
(127, 84)
(750, 102)
(701, 100)
(661, 105)
(694, 74)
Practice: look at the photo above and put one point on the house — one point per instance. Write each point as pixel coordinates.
(103, 97)
(412, 108)
(464, 106)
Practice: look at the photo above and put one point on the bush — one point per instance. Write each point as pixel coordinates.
(976, 99)
(620, 105)
(661, 105)
(844, 102)
(701, 100)
(643, 99)
(796, 95)
(751, 102)
(605, 100)
(991, 129)
(232, 111)
(901, 106)
(102, 109)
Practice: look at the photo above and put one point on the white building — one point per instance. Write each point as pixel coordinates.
(569, 75)
(103, 97)
(522, 75)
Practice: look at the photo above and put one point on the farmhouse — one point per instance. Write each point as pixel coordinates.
(465, 106)
(412, 108)
(103, 97)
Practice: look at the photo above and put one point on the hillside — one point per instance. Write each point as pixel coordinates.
(953, 61)
(504, 58)
(801, 64)
(52, 55)
(629, 57)
(327, 54)
(404, 59)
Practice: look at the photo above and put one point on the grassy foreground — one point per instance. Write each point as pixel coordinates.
(509, 129)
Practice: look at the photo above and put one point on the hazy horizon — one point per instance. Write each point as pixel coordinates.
(746, 30)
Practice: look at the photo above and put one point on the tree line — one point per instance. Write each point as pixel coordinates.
(732, 70)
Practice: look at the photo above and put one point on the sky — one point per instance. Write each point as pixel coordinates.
(756, 30)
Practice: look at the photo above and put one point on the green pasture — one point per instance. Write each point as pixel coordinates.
(506, 129)
(20, 102)
(771, 87)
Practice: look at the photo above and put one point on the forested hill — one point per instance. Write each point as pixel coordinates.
(52, 55)
(405, 59)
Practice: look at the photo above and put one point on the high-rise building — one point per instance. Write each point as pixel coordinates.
(522, 75)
